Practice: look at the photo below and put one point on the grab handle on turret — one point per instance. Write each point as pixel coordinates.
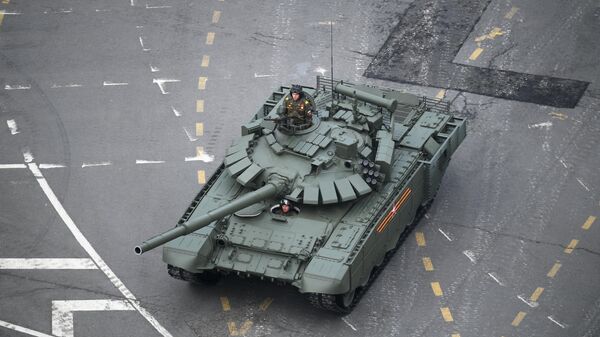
(383, 102)
(270, 190)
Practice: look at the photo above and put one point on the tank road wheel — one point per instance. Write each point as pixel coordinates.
(341, 304)
(346, 302)
(208, 277)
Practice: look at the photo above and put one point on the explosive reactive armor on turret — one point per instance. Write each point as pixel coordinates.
(357, 175)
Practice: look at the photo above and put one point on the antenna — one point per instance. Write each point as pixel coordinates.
(331, 51)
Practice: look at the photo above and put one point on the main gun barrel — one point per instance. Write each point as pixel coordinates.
(268, 191)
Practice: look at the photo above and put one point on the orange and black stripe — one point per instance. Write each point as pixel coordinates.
(383, 224)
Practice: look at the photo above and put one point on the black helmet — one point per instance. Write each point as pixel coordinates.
(285, 202)
(296, 88)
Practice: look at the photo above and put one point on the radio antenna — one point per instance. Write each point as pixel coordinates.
(331, 52)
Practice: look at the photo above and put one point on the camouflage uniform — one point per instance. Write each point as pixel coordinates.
(297, 110)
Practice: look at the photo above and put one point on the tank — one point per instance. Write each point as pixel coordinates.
(320, 206)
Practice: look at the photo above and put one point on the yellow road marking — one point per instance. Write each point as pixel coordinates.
(6, 2)
(536, 294)
(199, 129)
(216, 16)
(511, 13)
(455, 335)
(202, 181)
(518, 319)
(558, 115)
(199, 151)
(427, 263)
(441, 94)
(210, 38)
(491, 35)
(446, 314)
(205, 61)
(233, 331)
(265, 304)
(1, 16)
(420, 239)
(437, 289)
(571, 246)
(475, 54)
(588, 223)
(199, 104)
(554, 270)
(224, 300)
(202, 83)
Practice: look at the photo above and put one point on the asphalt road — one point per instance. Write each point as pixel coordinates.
(114, 113)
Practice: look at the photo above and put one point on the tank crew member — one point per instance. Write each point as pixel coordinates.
(298, 106)
(285, 207)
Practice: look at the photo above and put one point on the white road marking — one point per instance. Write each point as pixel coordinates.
(349, 324)
(495, 278)
(205, 157)
(49, 166)
(563, 163)
(526, 301)
(176, 112)
(17, 86)
(24, 330)
(470, 255)
(131, 2)
(85, 244)
(562, 325)
(27, 156)
(582, 184)
(70, 85)
(12, 166)
(189, 135)
(12, 126)
(109, 83)
(321, 71)
(426, 216)
(70, 10)
(102, 10)
(141, 161)
(263, 75)
(161, 83)
(154, 69)
(47, 263)
(142, 44)
(157, 7)
(544, 125)
(106, 163)
(12, 13)
(444, 234)
(62, 312)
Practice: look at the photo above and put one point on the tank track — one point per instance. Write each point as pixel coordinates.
(331, 302)
(207, 277)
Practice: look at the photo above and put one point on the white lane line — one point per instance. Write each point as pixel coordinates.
(24, 330)
(263, 75)
(526, 301)
(132, 3)
(70, 85)
(12, 13)
(157, 7)
(161, 83)
(62, 312)
(12, 126)
(349, 324)
(563, 163)
(49, 166)
(470, 255)
(495, 278)
(444, 234)
(582, 184)
(85, 244)
(544, 125)
(154, 69)
(562, 325)
(141, 161)
(205, 157)
(27, 156)
(102, 10)
(176, 112)
(189, 135)
(142, 44)
(47, 263)
(12, 166)
(105, 163)
(17, 86)
(70, 10)
(109, 83)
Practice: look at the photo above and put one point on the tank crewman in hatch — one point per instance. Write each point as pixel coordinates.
(285, 207)
(298, 106)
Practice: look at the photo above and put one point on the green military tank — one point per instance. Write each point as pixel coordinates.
(319, 205)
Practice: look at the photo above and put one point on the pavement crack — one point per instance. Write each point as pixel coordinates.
(522, 238)
(496, 56)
